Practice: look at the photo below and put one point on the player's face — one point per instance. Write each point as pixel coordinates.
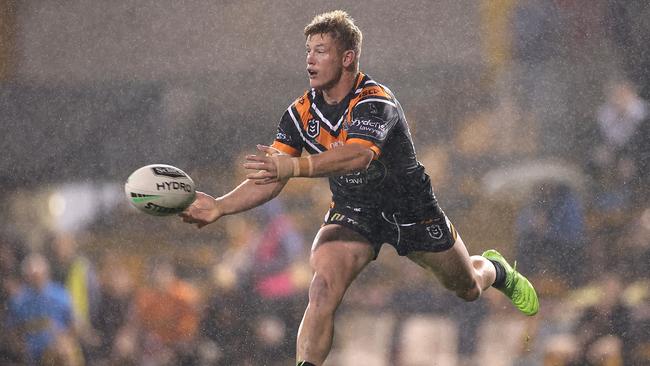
(324, 61)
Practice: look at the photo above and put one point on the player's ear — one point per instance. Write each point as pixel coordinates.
(348, 58)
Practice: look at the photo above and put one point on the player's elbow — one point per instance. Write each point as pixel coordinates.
(362, 158)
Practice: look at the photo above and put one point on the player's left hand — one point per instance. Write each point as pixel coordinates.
(267, 166)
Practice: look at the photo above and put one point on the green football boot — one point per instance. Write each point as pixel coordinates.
(517, 287)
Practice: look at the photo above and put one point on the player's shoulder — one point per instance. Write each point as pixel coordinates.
(300, 106)
(302, 100)
(372, 96)
(369, 90)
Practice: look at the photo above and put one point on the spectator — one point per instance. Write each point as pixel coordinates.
(550, 231)
(274, 253)
(619, 158)
(116, 293)
(227, 324)
(634, 246)
(167, 315)
(11, 253)
(273, 284)
(604, 330)
(40, 316)
(77, 273)
(629, 31)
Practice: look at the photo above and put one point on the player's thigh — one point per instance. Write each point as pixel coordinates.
(453, 267)
(340, 254)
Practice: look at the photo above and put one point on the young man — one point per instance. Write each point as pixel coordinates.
(356, 134)
(40, 315)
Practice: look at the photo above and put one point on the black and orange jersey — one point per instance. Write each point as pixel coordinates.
(369, 115)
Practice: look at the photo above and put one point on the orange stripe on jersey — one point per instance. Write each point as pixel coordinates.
(358, 81)
(302, 105)
(329, 141)
(285, 148)
(365, 143)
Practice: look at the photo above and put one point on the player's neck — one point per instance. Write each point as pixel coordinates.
(340, 90)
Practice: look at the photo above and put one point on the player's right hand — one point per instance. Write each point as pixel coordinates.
(204, 210)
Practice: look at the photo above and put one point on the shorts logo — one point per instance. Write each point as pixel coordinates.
(338, 217)
(435, 231)
(313, 128)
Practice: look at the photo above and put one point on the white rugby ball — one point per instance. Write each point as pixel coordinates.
(160, 189)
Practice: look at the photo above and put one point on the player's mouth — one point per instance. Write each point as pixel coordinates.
(312, 73)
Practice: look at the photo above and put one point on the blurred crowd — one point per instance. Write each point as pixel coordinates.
(60, 307)
(560, 188)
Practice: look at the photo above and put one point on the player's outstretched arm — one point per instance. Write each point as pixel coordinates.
(272, 168)
(206, 209)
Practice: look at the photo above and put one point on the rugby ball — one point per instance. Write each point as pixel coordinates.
(160, 189)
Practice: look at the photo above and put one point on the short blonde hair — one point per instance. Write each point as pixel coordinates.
(340, 26)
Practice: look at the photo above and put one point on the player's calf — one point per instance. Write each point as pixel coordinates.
(470, 292)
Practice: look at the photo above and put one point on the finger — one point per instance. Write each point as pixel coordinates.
(259, 158)
(268, 150)
(256, 175)
(263, 148)
(266, 181)
(256, 166)
(262, 174)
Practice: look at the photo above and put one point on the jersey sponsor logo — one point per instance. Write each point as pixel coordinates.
(374, 127)
(352, 221)
(353, 179)
(313, 128)
(282, 136)
(370, 91)
(435, 232)
(368, 123)
(167, 172)
(339, 217)
(371, 177)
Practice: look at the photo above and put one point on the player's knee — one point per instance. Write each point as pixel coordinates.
(469, 293)
(323, 296)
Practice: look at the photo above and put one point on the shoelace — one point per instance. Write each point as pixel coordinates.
(514, 278)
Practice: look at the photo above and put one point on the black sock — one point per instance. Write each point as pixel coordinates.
(305, 363)
(500, 280)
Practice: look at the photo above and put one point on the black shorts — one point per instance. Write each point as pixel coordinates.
(430, 231)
